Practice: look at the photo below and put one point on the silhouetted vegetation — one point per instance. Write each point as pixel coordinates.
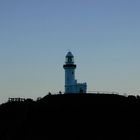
(71, 116)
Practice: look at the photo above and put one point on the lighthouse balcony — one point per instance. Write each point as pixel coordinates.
(69, 66)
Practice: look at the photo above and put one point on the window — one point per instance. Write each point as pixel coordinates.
(81, 90)
(69, 59)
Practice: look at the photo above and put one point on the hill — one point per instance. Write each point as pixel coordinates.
(72, 116)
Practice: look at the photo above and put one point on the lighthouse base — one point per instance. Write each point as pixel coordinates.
(77, 88)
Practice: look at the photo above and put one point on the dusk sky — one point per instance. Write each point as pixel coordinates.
(35, 35)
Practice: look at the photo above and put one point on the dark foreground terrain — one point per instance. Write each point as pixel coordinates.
(75, 117)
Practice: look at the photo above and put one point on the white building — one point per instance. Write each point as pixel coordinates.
(71, 85)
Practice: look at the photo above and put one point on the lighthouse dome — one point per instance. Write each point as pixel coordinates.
(69, 58)
(69, 54)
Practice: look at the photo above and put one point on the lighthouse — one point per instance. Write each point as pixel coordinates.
(71, 85)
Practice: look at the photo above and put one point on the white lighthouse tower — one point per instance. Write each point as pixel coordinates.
(71, 85)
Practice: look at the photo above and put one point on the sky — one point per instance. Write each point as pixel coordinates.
(35, 35)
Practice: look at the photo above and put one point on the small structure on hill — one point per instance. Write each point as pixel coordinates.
(16, 99)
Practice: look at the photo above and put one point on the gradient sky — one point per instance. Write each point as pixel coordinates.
(35, 35)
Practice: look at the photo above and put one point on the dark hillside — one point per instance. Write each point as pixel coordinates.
(79, 116)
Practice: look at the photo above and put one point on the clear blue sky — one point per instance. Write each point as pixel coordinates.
(104, 36)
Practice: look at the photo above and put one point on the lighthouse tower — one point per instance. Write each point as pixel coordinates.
(71, 85)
